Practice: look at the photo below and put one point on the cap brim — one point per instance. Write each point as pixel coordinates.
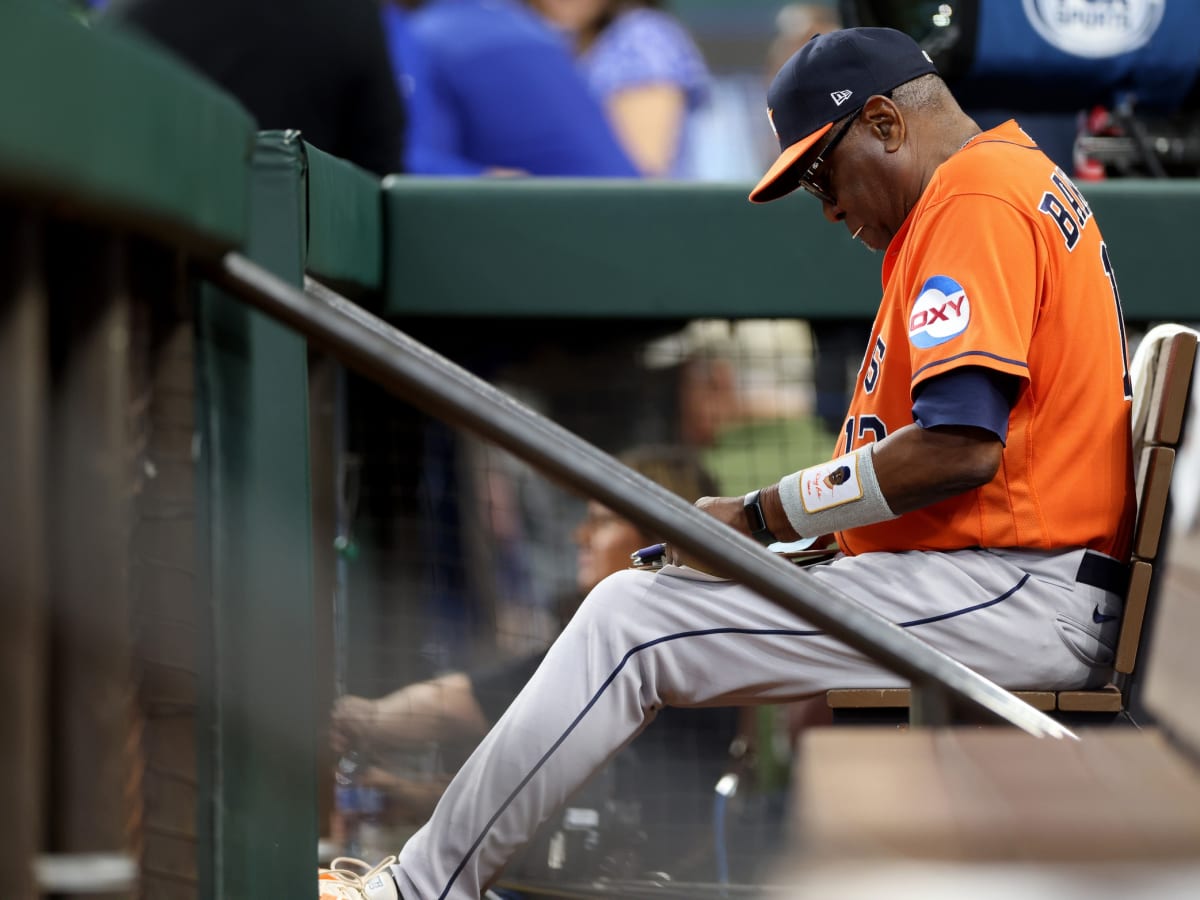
(772, 186)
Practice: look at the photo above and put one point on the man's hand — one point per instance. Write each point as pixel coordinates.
(729, 510)
(441, 710)
(352, 723)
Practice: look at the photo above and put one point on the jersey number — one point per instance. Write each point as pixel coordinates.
(872, 376)
(1127, 383)
(866, 424)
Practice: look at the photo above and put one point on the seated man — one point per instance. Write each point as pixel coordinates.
(987, 503)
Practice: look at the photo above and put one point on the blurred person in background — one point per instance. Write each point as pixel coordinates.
(669, 773)
(647, 71)
(311, 65)
(493, 91)
(795, 25)
(744, 394)
(744, 407)
(838, 342)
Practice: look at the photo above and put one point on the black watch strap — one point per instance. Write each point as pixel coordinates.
(756, 521)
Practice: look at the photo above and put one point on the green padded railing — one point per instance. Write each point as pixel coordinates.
(345, 222)
(551, 247)
(632, 249)
(97, 118)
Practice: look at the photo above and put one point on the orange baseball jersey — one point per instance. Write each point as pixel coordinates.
(1001, 265)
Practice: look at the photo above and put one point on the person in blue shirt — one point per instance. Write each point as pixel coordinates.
(492, 89)
(644, 67)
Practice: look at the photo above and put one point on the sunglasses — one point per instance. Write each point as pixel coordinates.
(808, 180)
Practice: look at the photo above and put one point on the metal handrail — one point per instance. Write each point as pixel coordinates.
(439, 387)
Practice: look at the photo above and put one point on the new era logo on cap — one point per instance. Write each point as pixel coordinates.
(840, 97)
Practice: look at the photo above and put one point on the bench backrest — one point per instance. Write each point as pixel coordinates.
(1172, 670)
(1162, 374)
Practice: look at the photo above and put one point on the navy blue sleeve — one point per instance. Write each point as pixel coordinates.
(973, 395)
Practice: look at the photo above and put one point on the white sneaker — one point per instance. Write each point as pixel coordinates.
(352, 879)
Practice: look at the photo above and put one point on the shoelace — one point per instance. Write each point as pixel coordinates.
(352, 878)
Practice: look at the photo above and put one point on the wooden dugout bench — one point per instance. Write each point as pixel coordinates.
(976, 801)
(1162, 372)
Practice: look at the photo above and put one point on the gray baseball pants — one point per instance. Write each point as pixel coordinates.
(677, 637)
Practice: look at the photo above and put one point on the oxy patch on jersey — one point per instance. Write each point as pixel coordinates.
(942, 312)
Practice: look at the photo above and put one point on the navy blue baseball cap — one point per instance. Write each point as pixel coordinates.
(830, 76)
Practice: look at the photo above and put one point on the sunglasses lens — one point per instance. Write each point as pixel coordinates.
(816, 192)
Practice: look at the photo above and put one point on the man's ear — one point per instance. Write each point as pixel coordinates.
(885, 121)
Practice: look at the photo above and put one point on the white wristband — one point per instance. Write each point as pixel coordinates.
(842, 493)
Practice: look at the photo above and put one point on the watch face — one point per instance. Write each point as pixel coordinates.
(754, 513)
(756, 521)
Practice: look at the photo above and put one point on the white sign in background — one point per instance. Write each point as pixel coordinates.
(1095, 28)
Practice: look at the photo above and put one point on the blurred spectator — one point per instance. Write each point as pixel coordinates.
(745, 405)
(645, 68)
(839, 343)
(492, 90)
(744, 396)
(795, 25)
(311, 65)
(669, 773)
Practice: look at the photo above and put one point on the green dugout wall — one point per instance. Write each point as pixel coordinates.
(164, 480)
(636, 250)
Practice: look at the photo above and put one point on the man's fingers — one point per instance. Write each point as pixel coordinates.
(678, 558)
(350, 722)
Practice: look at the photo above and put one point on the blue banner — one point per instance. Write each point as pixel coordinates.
(1056, 53)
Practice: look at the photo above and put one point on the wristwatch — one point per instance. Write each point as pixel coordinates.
(756, 520)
